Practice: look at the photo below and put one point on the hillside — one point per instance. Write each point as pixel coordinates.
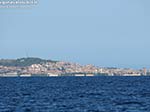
(23, 62)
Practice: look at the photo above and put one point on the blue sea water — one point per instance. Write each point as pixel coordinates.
(75, 94)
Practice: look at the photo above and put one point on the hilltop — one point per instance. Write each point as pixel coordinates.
(23, 62)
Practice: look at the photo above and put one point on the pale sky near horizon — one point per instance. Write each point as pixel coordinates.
(108, 33)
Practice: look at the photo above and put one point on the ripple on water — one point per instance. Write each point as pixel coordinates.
(75, 94)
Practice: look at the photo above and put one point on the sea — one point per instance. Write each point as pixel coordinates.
(75, 94)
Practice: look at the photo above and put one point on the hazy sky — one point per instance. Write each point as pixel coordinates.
(101, 32)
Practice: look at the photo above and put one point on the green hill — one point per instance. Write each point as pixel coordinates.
(23, 62)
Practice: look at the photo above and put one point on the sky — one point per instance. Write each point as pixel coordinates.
(106, 33)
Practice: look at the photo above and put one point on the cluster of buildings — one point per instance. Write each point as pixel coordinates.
(68, 69)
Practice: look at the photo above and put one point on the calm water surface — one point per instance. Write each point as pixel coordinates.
(75, 94)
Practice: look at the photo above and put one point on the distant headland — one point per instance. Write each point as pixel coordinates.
(31, 66)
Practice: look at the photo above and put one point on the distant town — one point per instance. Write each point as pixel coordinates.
(32, 67)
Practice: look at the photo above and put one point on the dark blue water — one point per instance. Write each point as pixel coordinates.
(75, 94)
